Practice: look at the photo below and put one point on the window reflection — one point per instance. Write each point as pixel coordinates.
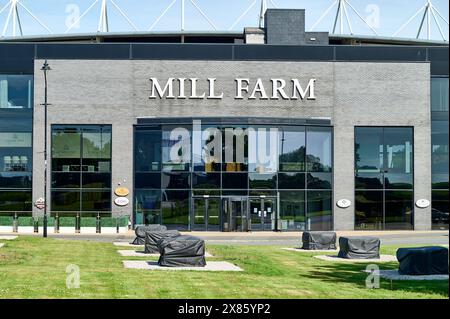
(319, 213)
(213, 160)
(263, 150)
(175, 209)
(207, 148)
(176, 148)
(439, 155)
(369, 210)
(16, 153)
(368, 149)
(440, 210)
(16, 91)
(439, 94)
(383, 177)
(147, 150)
(292, 210)
(292, 149)
(398, 150)
(235, 141)
(318, 149)
(81, 168)
(291, 180)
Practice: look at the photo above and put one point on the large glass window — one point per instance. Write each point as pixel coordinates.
(16, 152)
(178, 167)
(318, 149)
(292, 149)
(207, 148)
(235, 141)
(439, 94)
(148, 150)
(176, 148)
(439, 152)
(319, 213)
(384, 178)
(81, 168)
(16, 91)
(293, 210)
(175, 209)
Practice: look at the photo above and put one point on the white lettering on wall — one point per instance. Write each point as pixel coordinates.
(162, 92)
(193, 88)
(297, 88)
(212, 86)
(259, 88)
(278, 86)
(241, 88)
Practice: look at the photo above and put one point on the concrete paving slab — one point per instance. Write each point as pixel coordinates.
(383, 258)
(395, 275)
(153, 265)
(300, 250)
(141, 253)
(7, 237)
(126, 244)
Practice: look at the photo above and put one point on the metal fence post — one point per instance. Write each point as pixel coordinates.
(77, 223)
(98, 224)
(36, 224)
(15, 223)
(56, 224)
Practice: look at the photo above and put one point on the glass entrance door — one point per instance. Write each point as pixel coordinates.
(206, 214)
(235, 214)
(263, 214)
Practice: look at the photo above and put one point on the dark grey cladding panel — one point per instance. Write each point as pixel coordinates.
(182, 52)
(380, 53)
(16, 58)
(283, 52)
(285, 26)
(83, 51)
(439, 58)
(316, 38)
(16, 120)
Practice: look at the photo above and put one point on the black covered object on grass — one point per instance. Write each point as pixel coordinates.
(318, 240)
(142, 229)
(153, 237)
(182, 251)
(359, 247)
(431, 260)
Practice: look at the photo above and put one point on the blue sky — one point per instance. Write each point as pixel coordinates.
(57, 14)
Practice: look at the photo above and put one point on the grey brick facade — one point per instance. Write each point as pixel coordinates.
(349, 94)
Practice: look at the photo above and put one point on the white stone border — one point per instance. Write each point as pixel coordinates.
(395, 275)
(383, 258)
(153, 265)
(141, 253)
(7, 237)
(300, 250)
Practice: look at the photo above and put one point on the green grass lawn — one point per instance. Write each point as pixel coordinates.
(32, 267)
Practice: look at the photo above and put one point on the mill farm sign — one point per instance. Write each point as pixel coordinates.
(245, 88)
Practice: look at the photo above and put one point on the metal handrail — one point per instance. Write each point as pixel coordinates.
(57, 214)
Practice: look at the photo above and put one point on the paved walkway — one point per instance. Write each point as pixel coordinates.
(273, 238)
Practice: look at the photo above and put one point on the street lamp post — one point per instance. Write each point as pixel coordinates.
(45, 68)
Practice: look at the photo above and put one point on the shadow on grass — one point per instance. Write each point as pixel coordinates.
(353, 274)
